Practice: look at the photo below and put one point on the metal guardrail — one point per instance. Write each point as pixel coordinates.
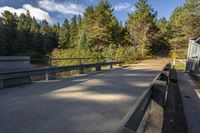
(48, 62)
(50, 70)
(55, 59)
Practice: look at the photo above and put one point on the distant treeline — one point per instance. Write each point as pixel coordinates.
(98, 33)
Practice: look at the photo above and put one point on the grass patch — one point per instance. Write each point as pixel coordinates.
(179, 66)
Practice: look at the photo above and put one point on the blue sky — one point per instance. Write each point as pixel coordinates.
(56, 10)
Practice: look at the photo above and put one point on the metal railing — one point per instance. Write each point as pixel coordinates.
(50, 70)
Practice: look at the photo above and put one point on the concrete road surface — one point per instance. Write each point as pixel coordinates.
(93, 103)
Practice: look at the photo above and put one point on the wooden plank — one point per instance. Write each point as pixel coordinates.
(173, 75)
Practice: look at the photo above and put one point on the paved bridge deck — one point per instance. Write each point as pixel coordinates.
(80, 104)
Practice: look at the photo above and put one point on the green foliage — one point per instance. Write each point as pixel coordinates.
(98, 33)
(64, 35)
(24, 36)
(73, 33)
(184, 23)
(9, 27)
(142, 28)
(127, 54)
(179, 66)
(72, 53)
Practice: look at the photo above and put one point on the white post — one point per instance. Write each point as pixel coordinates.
(174, 63)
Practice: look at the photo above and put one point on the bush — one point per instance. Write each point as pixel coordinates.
(127, 54)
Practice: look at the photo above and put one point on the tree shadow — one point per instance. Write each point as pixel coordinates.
(90, 103)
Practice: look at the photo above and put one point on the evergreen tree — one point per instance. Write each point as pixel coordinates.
(116, 30)
(23, 38)
(3, 45)
(142, 28)
(100, 35)
(9, 21)
(73, 32)
(81, 35)
(184, 23)
(64, 35)
(36, 50)
(163, 35)
(86, 30)
(49, 37)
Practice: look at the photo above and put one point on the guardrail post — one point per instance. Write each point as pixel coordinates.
(81, 70)
(1, 84)
(98, 68)
(158, 97)
(51, 76)
(50, 62)
(111, 66)
(120, 64)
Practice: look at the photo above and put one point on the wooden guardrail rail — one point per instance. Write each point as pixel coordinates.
(165, 93)
(132, 120)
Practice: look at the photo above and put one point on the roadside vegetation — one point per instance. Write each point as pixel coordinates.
(98, 33)
(180, 66)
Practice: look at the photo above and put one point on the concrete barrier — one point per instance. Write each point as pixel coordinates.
(12, 64)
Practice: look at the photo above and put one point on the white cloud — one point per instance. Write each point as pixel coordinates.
(13, 10)
(64, 8)
(34, 12)
(123, 6)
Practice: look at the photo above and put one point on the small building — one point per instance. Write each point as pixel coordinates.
(193, 55)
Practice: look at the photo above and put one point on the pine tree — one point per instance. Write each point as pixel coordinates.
(184, 23)
(86, 28)
(142, 28)
(81, 34)
(49, 37)
(73, 32)
(23, 39)
(100, 35)
(3, 45)
(10, 30)
(64, 35)
(36, 50)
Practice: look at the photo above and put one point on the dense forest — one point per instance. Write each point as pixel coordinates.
(98, 33)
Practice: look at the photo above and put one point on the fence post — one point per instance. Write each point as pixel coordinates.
(81, 70)
(120, 64)
(50, 63)
(50, 76)
(98, 68)
(1, 84)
